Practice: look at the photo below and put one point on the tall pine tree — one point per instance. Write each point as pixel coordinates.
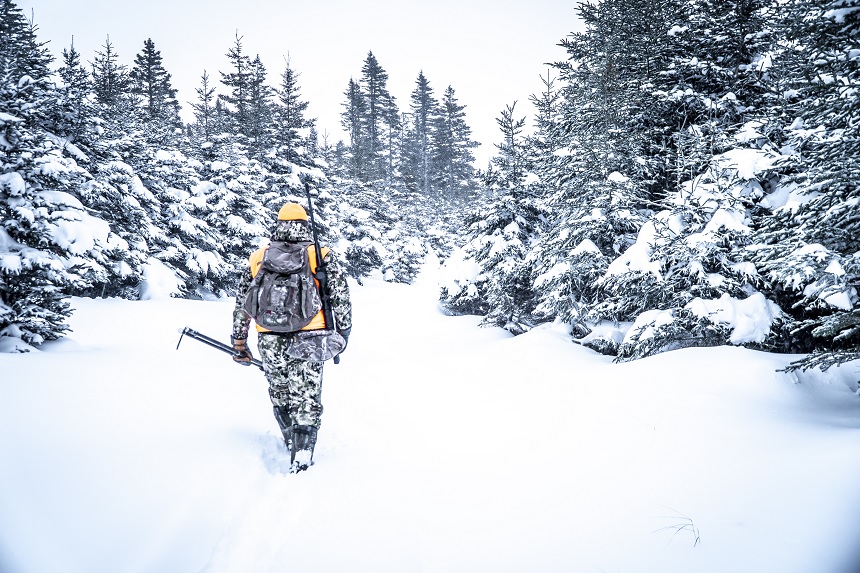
(290, 110)
(453, 145)
(354, 121)
(419, 144)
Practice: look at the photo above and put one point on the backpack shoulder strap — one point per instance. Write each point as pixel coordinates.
(312, 256)
(256, 259)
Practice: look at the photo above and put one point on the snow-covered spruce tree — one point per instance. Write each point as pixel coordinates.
(75, 117)
(652, 92)
(665, 80)
(353, 120)
(116, 193)
(373, 122)
(290, 123)
(711, 81)
(404, 253)
(599, 223)
(205, 125)
(184, 241)
(291, 159)
(453, 158)
(117, 196)
(508, 234)
(606, 84)
(383, 232)
(47, 240)
(312, 142)
(100, 127)
(144, 185)
(392, 133)
(234, 217)
(567, 262)
(248, 105)
(76, 123)
(112, 89)
(235, 103)
(694, 280)
(259, 126)
(811, 247)
(363, 220)
(151, 86)
(491, 276)
(590, 154)
(137, 188)
(416, 230)
(374, 86)
(418, 168)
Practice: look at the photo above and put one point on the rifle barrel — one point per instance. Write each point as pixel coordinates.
(214, 344)
(321, 274)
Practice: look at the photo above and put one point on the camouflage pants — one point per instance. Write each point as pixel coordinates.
(293, 384)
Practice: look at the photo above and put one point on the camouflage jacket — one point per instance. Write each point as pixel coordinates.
(296, 231)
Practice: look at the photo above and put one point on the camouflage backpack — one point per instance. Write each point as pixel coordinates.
(283, 297)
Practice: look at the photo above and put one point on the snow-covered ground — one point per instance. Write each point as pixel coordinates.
(444, 448)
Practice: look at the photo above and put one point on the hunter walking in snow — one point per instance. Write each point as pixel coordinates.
(299, 298)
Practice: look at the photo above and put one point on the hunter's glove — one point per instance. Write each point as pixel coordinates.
(345, 334)
(241, 354)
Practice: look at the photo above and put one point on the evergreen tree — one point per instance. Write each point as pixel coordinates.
(453, 149)
(238, 81)
(688, 257)
(353, 120)
(642, 117)
(205, 114)
(339, 157)
(312, 142)
(362, 223)
(546, 142)
(812, 246)
(607, 76)
(21, 52)
(290, 118)
(150, 82)
(258, 128)
(111, 82)
(117, 196)
(490, 275)
(393, 136)
(44, 231)
(595, 213)
(512, 226)
(728, 36)
(374, 80)
(419, 157)
(74, 107)
(599, 223)
(705, 79)
(501, 234)
(510, 163)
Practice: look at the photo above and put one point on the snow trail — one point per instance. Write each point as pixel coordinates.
(444, 448)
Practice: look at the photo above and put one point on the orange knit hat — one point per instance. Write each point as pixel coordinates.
(292, 212)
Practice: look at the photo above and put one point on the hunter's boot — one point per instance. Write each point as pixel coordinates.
(302, 441)
(284, 422)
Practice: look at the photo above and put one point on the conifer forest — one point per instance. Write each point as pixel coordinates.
(687, 159)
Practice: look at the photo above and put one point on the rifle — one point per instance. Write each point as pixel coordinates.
(321, 275)
(213, 343)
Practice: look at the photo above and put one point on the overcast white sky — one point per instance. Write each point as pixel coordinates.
(491, 52)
